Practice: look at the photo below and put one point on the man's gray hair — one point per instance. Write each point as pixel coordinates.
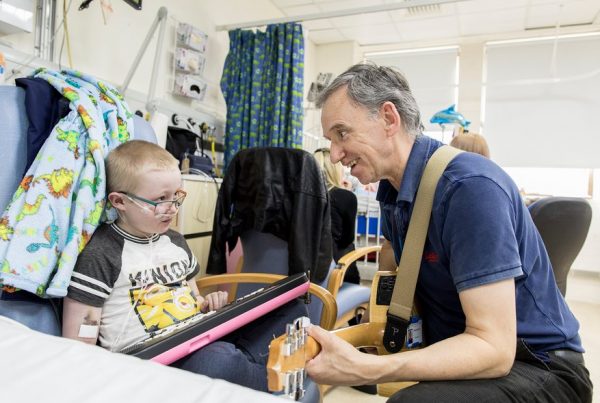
(370, 86)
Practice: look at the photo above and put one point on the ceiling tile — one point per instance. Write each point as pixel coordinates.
(327, 6)
(569, 13)
(431, 10)
(500, 21)
(428, 28)
(448, 20)
(326, 36)
(485, 6)
(318, 24)
(373, 34)
(423, 12)
(301, 10)
(362, 19)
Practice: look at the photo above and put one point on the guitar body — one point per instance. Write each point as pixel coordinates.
(289, 353)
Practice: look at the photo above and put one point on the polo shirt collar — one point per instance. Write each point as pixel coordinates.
(420, 153)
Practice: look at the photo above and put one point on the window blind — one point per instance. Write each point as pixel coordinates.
(542, 101)
(432, 75)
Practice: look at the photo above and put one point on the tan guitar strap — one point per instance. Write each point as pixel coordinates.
(399, 312)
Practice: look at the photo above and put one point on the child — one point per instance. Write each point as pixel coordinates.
(136, 275)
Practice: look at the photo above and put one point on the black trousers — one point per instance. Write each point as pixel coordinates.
(563, 379)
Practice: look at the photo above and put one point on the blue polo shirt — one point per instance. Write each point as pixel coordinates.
(480, 232)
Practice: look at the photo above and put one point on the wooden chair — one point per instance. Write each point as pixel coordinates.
(261, 251)
(329, 306)
(349, 297)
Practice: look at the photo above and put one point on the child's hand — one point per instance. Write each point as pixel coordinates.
(213, 301)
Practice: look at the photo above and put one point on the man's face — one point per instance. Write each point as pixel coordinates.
(358, 139)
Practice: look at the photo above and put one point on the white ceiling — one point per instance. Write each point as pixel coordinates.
(456, 20)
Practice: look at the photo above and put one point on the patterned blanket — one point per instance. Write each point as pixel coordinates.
(61, 199)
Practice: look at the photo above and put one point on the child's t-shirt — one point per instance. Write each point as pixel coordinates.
(140, 283)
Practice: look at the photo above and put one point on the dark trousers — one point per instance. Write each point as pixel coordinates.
(564, 378)
(241, 357)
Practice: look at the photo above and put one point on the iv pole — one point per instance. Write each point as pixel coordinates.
(161, 19)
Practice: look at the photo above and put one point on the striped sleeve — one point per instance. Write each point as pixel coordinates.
(180, 241)
(96, 270)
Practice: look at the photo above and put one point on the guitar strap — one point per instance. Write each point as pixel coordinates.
(399, 312)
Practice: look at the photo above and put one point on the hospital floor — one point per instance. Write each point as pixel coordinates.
(583, 296)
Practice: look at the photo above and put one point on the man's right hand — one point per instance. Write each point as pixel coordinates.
(338, 363)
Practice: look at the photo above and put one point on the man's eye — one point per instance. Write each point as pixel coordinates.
(342, 133)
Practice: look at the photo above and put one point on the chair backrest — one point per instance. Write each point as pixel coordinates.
(13, 132)
(563, 223)
(278, 191)
(36, 313)
(263, 253)
(30, 310)
(266, 253)
(142, 130)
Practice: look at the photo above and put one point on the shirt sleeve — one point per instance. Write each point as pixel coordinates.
(96, 271)
(479, 233)
(180, 241)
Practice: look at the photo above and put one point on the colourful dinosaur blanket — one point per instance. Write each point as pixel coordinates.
(60, 201)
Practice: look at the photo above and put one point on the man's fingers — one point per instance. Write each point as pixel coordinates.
(317, 332)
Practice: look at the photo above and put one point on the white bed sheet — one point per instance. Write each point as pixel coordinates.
(35, 367)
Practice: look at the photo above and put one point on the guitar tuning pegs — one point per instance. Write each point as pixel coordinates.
(294, 384)
(291, 384)
(300, 384)
(305, 321)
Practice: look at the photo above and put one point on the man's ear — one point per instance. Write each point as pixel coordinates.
(117, 200)
(391, 117)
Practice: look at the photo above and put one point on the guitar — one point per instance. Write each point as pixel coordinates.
(289, 352)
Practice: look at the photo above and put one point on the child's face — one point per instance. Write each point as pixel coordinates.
(143, 219)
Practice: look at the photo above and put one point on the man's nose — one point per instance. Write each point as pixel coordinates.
(335, 153)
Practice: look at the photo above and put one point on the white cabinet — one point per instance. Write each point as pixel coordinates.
(195, 218)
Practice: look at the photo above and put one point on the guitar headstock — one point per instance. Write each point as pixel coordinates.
(287, 356)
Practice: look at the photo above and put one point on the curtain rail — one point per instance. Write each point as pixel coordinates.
(336, 13)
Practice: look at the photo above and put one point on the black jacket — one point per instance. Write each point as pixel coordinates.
(280, 191)
(343, 223)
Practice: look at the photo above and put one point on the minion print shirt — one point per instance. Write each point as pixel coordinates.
(140, 283)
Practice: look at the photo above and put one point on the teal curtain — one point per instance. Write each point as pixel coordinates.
(263, 83)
